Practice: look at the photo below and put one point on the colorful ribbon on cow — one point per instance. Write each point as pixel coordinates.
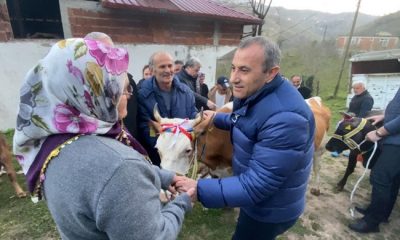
(184, 127)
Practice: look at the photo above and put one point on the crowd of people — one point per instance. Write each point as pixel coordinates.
(87, 149)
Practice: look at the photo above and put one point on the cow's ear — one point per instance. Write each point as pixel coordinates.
(155, 128)
(347, 116)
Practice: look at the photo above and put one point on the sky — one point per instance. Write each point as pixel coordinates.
(371, 7)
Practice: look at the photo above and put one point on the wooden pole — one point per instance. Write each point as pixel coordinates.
(347, 50)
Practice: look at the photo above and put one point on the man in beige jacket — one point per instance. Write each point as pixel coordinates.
(220, 94)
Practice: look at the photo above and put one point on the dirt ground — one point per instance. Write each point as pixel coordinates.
(327, 216)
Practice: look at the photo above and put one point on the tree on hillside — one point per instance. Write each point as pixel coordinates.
(261, 11)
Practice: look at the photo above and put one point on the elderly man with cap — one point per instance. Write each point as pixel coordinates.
(220, 94)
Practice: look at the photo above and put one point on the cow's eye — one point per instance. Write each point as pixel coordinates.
(188, 151)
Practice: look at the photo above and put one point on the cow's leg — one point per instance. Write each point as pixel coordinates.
(6, 161)
(2, 171)
(316, 175)
(351, 165)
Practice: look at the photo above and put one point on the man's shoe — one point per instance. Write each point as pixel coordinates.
(362, 226)
(364, 211)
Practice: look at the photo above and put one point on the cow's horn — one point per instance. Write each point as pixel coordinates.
(156, 113)
(198, 118)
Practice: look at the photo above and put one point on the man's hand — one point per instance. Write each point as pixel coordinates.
(376, 119)
(208, 114)
(371, 136)
(192, 194)
(187, 185)
(172, 187)
(211, 105)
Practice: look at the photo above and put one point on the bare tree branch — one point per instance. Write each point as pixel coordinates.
(261, 12)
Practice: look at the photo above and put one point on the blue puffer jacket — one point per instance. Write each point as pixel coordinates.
(392, 121)
(272, 133)
(182, 105)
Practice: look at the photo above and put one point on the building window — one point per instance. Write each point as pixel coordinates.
(384, 42)
(35, 19)
(355, 42)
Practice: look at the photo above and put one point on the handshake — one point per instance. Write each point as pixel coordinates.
(181, 184)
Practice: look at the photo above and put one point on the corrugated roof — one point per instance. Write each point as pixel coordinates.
(376, 55)
(204, 8)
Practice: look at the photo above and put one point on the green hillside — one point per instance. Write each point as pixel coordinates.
(386, 24)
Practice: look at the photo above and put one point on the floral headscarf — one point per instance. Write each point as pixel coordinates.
(73, 90)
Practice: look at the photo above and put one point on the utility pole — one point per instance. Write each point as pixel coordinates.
(347, 49)
(324, 35)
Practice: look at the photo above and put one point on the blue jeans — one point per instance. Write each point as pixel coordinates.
(249, 229)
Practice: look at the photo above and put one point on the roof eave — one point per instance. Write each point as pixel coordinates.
(243, 21)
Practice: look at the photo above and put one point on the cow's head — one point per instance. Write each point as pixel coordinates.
(349, 134)
(175, 143)
(214, 146)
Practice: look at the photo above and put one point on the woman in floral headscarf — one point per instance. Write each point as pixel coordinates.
(95, 186)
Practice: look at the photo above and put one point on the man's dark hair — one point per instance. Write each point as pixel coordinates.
(145, 67)
(178, 62)
(192, 62)
(296, 75)
(272, 53)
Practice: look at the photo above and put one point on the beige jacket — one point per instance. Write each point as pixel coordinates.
(212, 92)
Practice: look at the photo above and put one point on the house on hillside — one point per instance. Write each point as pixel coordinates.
(380, 71)
(185, 28)
(367, 43)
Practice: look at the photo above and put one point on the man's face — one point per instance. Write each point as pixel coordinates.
(193, 71)
(358, 89)
(147, 73)
(221, 89)
(201, 79)
(296, 81)
(247, 73)
(178, 68)
(163, 68)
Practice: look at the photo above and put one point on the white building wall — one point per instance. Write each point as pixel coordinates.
(17, 57)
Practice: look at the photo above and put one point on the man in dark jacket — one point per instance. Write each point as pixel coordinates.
(360, 105)
(385, 175)
(362, 101)
(272, 131)
(174, 99)
(130, 119)
(303, 90)
(189, 76)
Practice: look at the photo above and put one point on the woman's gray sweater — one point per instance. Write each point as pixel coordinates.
(98, 188)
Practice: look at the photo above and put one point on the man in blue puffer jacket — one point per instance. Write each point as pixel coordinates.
(272, 132)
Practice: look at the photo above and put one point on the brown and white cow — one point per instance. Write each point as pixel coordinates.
(6, 161)
(214, 146)
(322, 116)
(175, 143)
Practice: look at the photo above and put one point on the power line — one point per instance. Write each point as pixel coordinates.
(296, 24)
